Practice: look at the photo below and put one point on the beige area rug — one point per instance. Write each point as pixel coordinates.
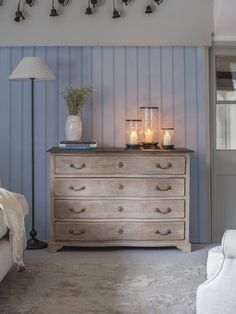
(93, 288)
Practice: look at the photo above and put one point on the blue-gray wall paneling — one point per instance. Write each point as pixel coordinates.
(123, 78)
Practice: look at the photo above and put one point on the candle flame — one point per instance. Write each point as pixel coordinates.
(148, 131)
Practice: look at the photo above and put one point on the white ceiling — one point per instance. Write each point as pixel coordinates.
(225, 20)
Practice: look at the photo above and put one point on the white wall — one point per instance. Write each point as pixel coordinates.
(177, 22)
(224, 20)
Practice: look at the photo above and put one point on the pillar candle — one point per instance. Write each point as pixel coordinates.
(148, 136)
(167, 141)
(133, 138)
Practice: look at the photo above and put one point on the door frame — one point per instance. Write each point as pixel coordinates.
(218, 49)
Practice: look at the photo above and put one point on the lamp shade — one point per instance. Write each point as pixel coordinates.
(32, 68)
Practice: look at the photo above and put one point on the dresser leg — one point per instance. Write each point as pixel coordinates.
(186, 248)
(53, 248)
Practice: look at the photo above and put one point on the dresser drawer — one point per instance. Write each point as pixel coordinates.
(119, 187)
(118, 209)
(145, 231)
(88, 164)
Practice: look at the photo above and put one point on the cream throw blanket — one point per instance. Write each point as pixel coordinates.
(13, 218)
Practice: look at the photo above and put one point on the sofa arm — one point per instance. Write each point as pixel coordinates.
(229, 244)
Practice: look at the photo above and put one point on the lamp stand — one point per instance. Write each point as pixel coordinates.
(33, 243)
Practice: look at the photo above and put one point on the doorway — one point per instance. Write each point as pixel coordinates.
(223, 141)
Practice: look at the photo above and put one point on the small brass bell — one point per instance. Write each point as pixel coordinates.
(53, 10)
(19, 14)
(88, 11)
(149, 9)
(94, 3)
(116, 14)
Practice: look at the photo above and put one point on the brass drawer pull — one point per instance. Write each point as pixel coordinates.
(163, 189)
(77, 211)
(121, 231)
(78, 168)
(120, 209)
(81, 232)
(164, 212)
(121, 187)
(75, 189)
(168, 231)
(169, 165)
(121, 164)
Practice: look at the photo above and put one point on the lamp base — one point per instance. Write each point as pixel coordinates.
(35, 244)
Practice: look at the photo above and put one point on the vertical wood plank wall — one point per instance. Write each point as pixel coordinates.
(172, 78)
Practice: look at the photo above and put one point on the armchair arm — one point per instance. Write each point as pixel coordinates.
(217, 254)
(215, 261)
(229, 244)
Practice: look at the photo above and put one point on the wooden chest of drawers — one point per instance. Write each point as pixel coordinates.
(119, 197)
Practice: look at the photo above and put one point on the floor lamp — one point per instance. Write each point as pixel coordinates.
(32, 68)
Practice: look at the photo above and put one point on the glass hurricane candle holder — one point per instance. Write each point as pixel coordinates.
(168, 138)
(149, 117)
(133, 133)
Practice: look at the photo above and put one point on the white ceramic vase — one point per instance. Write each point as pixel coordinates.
(73, 128)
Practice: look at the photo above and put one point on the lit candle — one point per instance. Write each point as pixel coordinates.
(133, 138)
(167, 140)
(148, 136)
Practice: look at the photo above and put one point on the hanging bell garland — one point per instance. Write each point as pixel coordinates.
(90, 9)
(150, 8)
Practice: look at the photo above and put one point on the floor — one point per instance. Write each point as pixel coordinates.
(145, 255)
(106, 281)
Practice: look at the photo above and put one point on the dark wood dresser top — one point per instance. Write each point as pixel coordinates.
(117, 150)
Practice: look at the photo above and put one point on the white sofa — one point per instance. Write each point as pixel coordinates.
(217, 295)
(5, 249)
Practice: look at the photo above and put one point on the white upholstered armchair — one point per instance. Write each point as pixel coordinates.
(217, 295)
